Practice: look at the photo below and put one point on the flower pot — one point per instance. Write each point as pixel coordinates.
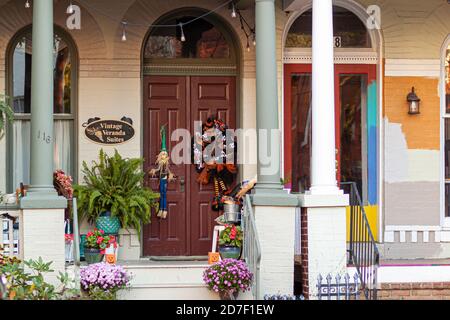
(229, 252)
(232, 217)
(225, 295)
(111, 225)
(92, 255)
(82, 243)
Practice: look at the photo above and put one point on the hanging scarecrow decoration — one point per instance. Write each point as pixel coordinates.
(214, 158)
(165, 175)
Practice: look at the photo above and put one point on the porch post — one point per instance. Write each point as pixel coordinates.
(269, 187)
(42, 192)
(323, 161)
(42, 210)
(323, 214)
(274, 208)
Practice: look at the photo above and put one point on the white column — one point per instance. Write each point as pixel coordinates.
(323, 162)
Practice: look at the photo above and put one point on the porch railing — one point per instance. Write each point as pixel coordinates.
(252, 247)
(362, 248)
(10, 241)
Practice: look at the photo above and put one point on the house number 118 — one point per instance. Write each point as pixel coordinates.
(44, 137)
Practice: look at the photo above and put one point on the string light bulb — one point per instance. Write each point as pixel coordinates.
(233, 10)
(248, 46)
(182, 38)
(27, 4)
(254, 39)
(124, 31)
(70, 9)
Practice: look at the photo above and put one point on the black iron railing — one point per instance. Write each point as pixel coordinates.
(362, 248)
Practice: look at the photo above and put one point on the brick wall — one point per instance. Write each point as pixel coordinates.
(415, 291)
(304, 259)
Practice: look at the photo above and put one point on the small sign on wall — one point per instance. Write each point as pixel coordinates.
(109, 132)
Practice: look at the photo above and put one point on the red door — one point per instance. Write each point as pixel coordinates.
(350, 88)
(178, 102)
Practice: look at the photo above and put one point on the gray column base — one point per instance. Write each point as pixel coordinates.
(275, 197)
(43, 200)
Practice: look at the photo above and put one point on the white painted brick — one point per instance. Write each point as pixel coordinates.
(326, 243)
(276, 231)
(42, 235)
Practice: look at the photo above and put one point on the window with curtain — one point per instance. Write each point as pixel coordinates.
(64, 113)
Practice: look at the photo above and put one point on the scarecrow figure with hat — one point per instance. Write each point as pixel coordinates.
(165, 175)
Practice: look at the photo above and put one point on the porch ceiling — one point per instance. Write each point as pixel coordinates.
(246, 4)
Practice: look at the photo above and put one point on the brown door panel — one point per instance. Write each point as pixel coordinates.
(165, 104)
(209, 96)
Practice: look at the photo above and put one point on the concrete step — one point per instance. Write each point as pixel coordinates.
(174, 280)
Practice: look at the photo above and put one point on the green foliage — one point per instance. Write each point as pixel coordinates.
(6, 113)
(22, 285)
(97, 240)
(231, 236)
(96, 293)
(115, 184)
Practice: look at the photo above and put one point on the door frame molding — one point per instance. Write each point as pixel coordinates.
(232, 67)
(377, 39)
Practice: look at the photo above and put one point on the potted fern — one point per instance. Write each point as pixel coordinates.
(112, 194)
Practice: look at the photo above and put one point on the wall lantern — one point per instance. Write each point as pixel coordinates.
(414, 102)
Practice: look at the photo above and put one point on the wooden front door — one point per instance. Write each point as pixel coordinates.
(178, 101)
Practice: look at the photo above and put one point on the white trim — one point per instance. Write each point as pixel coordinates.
(441, 234)
(437, 236)
(304, 56)
(389, 236)
(425, 236)
(445, 236)
(402, 236)
(412, 68)
(412, 228)
(414, 236)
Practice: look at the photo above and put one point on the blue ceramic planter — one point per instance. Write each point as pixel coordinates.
(111, 225)
(229, 252)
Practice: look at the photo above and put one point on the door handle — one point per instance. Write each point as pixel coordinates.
(182, 184)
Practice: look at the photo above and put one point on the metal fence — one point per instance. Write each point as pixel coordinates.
(339, 289)
(363, 251)
(10, 240)
(252, 247)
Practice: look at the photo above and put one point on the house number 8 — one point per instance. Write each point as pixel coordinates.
(44, 137)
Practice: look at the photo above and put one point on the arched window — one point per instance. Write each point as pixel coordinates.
(19, 90)
(206, 43)
(350, 30)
